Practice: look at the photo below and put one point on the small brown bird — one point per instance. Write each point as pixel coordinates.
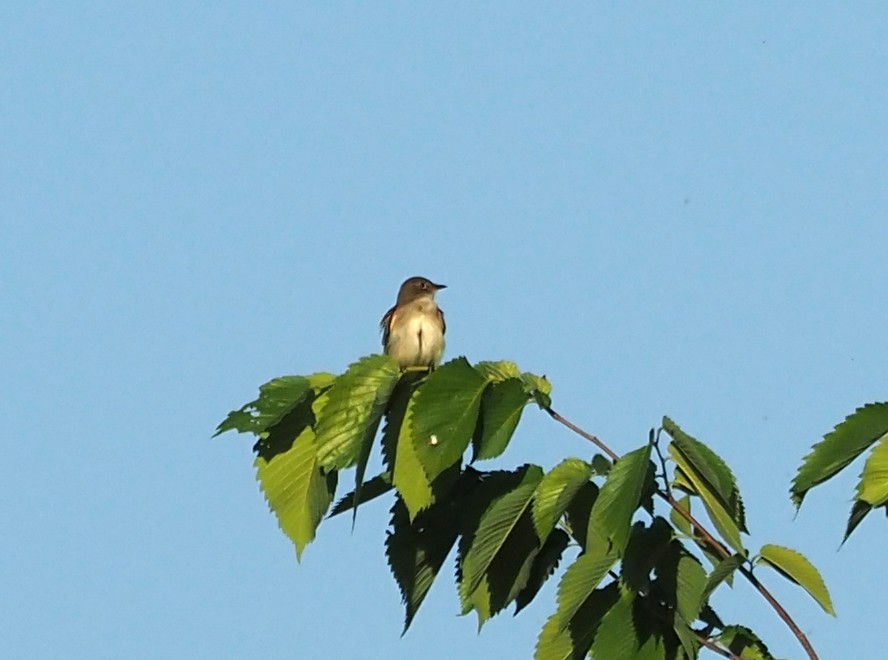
(413, 330)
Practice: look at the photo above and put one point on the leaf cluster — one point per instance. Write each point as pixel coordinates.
(634, 584)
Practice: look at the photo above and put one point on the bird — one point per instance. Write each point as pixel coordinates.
(413, 329)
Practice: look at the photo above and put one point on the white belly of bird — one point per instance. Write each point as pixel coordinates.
(419, 342)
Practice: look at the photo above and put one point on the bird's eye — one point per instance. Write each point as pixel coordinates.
(423, 286)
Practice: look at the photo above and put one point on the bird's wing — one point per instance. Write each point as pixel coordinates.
(385, 325)
(443, 323)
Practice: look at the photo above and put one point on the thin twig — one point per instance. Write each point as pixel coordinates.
(709, 538)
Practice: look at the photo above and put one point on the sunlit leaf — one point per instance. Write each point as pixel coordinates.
(296, 488)
(873, 486)
(841, 446)
(616, 638)
(445, 411)
(355, 405)
(276, 398)
(570, 638)
(501, 406)
(611, 517)
(556, 491)
(744, 643)
(798, 569)
(722, 573)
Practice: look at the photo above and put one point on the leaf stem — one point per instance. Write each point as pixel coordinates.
(708, 537)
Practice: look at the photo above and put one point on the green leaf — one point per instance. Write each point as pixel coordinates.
(501, 408)
(409, 478)
(502, 549)
(711, 468)
(378, 485)
(873, 486)
(578, 511)
(645, 547)
(417, 549)
(795, 567)
(718, 510)
(601, 465)
(724, 571)
(690, 586)
(680, 522)
(498, 371)
(858, 513)
(544, 564)
(356, 402)
(444, 415)
(556, 491)
(616, 638)
(611, 517)
(744, 643)
(569, 635)
(539, 388)
(580, 579)
(837, 449)
(297, 490)
(276, 398)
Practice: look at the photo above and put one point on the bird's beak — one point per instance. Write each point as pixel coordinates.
(438, 287)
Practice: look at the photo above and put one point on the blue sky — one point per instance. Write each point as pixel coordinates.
(665, 209)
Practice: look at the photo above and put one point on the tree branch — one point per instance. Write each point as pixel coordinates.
(708, 537)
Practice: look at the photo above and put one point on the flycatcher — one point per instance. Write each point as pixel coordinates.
(413, 330)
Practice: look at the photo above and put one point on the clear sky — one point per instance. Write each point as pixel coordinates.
(666, 208)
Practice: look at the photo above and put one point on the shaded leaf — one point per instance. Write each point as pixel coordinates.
(570, 638)
(794, 566)
(445, 411)
(645, 548)
(837, 449)
(556, 491)
(417, 549)
(601, 465)
(544, 564)
(744, 643)
(723, 572)
(611, 516)
(858, 513)
(501, 406)
(616, 638)
(355, 405)
(578, 511)
(502, 549)
(378, 485)
(681, 523)
(297, 490)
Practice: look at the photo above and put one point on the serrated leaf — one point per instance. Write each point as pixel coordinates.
(689, 587)
(276, 398)
(601, 465)
(501, 406)
(711, 468)
(556, 491)
(794, 566)
(570, 639)
(378, 485)
(355, 405)
(417, 549)
(544, 564)
(578, 511)
(616, 638)
(722, 573)
(611, 517)
(580, 579)
(409, 477)
(498, 371)
(837, 449)
(645, 547)
(716, 507)
(445, 411)
(858, 513)
(743, 643)
(680, 522)
(504, 533)
(873, 486)
(539, 388)
(296, 489)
